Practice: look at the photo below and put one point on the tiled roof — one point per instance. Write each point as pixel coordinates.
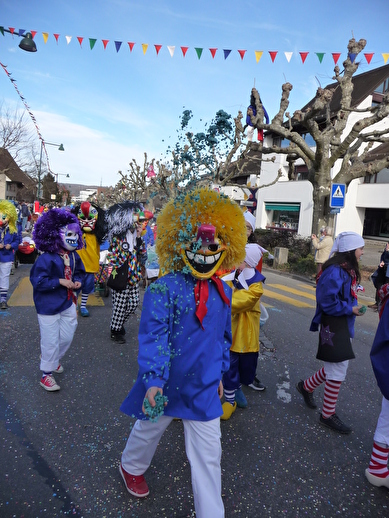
(9, 167)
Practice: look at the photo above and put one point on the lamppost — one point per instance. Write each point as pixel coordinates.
(27, 42)
(60, 148)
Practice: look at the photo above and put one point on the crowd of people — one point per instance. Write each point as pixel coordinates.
(210, 270)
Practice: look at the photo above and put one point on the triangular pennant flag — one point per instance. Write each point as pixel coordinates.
(11, 29)
(336, 56)
(56, 36)
(213, 52)
(21, 32)
(105, 43)
(131, 45)
(118, 44)
(2, 30)
(33, 34)
(303, 56)
(80, 39)
(385, 55)
(288, 56)
(273, 54)
(226, 52)
(258, 55)
(242, 53)
(68, 39)
(172, 48)
(92, 42)
(369, 56)
(320, 56)
(198, 52)
(352, 56)
(145, 46)
(158, 48)
(45, 36)
(184, 50)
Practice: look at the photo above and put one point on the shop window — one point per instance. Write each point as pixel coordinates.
(283, 216)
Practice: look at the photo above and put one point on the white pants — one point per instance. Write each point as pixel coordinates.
(203, 449)
(381, 434)
(57, 333)
(5, 272)
(336, 371)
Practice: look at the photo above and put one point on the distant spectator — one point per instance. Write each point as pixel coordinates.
(25, 213)
(323, 245)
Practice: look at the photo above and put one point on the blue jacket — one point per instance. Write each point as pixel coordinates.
(379, 354)
(333, 297)
(176, 354)
(6, 238)
(50, 297)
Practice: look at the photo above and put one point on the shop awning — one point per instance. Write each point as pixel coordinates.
(287, 207)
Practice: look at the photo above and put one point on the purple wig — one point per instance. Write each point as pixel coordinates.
(46, 230)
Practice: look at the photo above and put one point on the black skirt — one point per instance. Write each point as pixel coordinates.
(334, 340)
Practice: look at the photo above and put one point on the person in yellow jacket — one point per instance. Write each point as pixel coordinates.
(246, 282)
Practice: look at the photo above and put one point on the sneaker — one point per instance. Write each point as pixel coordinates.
(257, 385)
(135, 485)
(335, 423)
(240, 399)
(308, 396)
(48, 383)
(84, 312)
(4, 305)
(59, 369)
(377, 481)
(228, 410)
(117, 337)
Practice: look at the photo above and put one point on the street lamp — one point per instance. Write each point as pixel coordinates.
(67, 175)
(27, 42)
(60, 148)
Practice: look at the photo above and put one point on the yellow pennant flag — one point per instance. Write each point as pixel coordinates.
(144, 47)
(45, 36)
(258, 55)
(385, 55)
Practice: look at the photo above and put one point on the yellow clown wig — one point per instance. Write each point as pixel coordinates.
(180, 219)
(8, 210)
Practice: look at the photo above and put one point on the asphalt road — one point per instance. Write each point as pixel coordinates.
(61, 451)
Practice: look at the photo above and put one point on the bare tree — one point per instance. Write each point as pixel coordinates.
(16, 134)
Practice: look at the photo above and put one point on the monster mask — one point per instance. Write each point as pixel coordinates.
(87, 216)
(69, 236)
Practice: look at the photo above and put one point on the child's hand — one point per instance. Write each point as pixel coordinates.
(150, 395)
(220, 390)
(77, 285)
(68, 283)
(359, 310)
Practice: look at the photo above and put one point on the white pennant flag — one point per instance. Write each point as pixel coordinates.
(288, 56)
(68, 39)
(171, 50)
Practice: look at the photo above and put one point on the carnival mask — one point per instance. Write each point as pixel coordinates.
(3, 219)
(69, 236)
(204, 256)
(87, 216)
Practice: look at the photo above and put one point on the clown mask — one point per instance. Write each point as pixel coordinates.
(204, 255)
(87, 216)
(69, 237)
(3, 220)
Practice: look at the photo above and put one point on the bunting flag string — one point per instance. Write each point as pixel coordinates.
(273, 54)
(32, 116)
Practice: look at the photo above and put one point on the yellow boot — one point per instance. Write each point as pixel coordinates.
(228, 410)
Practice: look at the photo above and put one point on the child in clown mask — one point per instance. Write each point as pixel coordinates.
(55, 276)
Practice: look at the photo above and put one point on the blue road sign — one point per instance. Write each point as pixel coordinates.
(338, 193)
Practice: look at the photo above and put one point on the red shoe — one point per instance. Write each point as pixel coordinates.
(48, 383)
(136, 485)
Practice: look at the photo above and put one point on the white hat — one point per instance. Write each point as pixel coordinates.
(347, 241)
(250, 219)
(253, 254)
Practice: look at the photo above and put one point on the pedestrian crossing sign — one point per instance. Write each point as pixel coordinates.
(338, 193)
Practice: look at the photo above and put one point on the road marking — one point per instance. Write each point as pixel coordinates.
(292, 290)
(287, 300)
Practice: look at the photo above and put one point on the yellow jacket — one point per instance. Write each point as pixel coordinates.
(245, 316)
(90, 254)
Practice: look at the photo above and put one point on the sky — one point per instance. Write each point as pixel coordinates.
(108, 107)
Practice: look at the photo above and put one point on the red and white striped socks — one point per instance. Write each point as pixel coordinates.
(314, 381)
(379, 460)
(331, 392)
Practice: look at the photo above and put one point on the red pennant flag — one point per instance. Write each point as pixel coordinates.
(158, 48)
(33, 34)
(273, 54)
(184, 50)
(304, 56)
(242, 53)
(56, 36)
(131, 45)
(336, 56)
(213, 52)
(80, 38)
(368, 56)
(105, 43)
(12, 29)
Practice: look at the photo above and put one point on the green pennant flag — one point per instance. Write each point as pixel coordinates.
(199, 52)
(320, 55)
(92, 42)
(2, 30)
